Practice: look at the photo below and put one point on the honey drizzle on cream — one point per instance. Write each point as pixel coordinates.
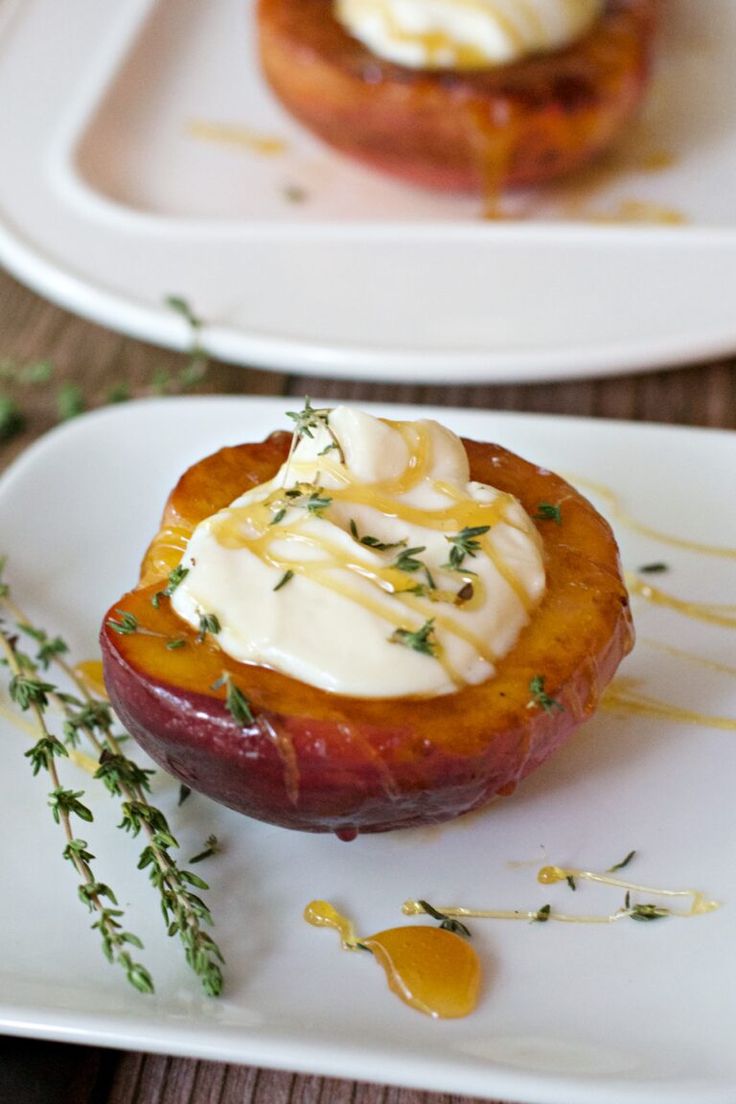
(252, 527)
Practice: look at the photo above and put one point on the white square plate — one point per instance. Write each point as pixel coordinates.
(569, 1013)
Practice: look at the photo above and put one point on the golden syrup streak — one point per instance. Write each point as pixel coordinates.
(622, 697)
(699, 904)
(229, 134)
(690, 657)
(716, 613)
(618, 512)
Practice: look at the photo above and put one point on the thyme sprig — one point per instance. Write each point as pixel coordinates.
(308, 421)
(32, 695)
(465, 543)
(184, 912)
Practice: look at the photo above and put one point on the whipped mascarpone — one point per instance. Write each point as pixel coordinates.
(295, 572)
(465, 34)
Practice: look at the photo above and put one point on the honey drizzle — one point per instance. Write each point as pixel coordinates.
(233, 528)
(678, 653)
(89, 673)
(716, 613)
(550, 875)
(630, 522)
(434, 971)
(622, 697)
(232, 135)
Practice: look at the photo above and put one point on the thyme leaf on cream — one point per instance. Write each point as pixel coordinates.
(421, 640)
(374, 542)
(285, 578)
(465, 543)
(208, 623)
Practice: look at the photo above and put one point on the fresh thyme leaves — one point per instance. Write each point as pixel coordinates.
(12, 419)
(69, 402)
(649, 912)
(571, 882)
(540, 697)
(236, 702)
(127, 624)
(197, 364)
(318, 502)
(406, 560)
(465, 543)
(285, 578)
(175, 643)
(653, 568)
(447, 923)
(278, 516)
(185, 914)
(211, 847)
(541, 916)
(422, 640)
(177, 576)
(547, 511)
(66, 804)
(48, 647)
(374, 542)
(208, 623)
(295, 193)
(184, 793)
(308, 419)
(620, 865)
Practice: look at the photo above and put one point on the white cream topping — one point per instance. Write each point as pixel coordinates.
(341, 617)
(465, 34)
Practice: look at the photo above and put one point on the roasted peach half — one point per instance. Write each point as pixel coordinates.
(475, 130)
(318, 761)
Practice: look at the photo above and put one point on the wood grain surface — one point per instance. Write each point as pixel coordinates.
(96, 360)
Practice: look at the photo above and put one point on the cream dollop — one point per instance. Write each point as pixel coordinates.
(465, 34)
(370, 565)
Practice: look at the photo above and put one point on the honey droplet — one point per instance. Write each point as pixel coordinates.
(434, 971)
(89, 673)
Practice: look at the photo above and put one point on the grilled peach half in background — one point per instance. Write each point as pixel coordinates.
(317, 761)
(472, 130)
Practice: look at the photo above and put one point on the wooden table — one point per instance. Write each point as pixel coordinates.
(96, 360)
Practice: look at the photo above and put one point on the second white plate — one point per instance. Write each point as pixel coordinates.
(111, 199)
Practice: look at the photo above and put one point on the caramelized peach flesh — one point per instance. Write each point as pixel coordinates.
(317, 761)
(474, 130)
